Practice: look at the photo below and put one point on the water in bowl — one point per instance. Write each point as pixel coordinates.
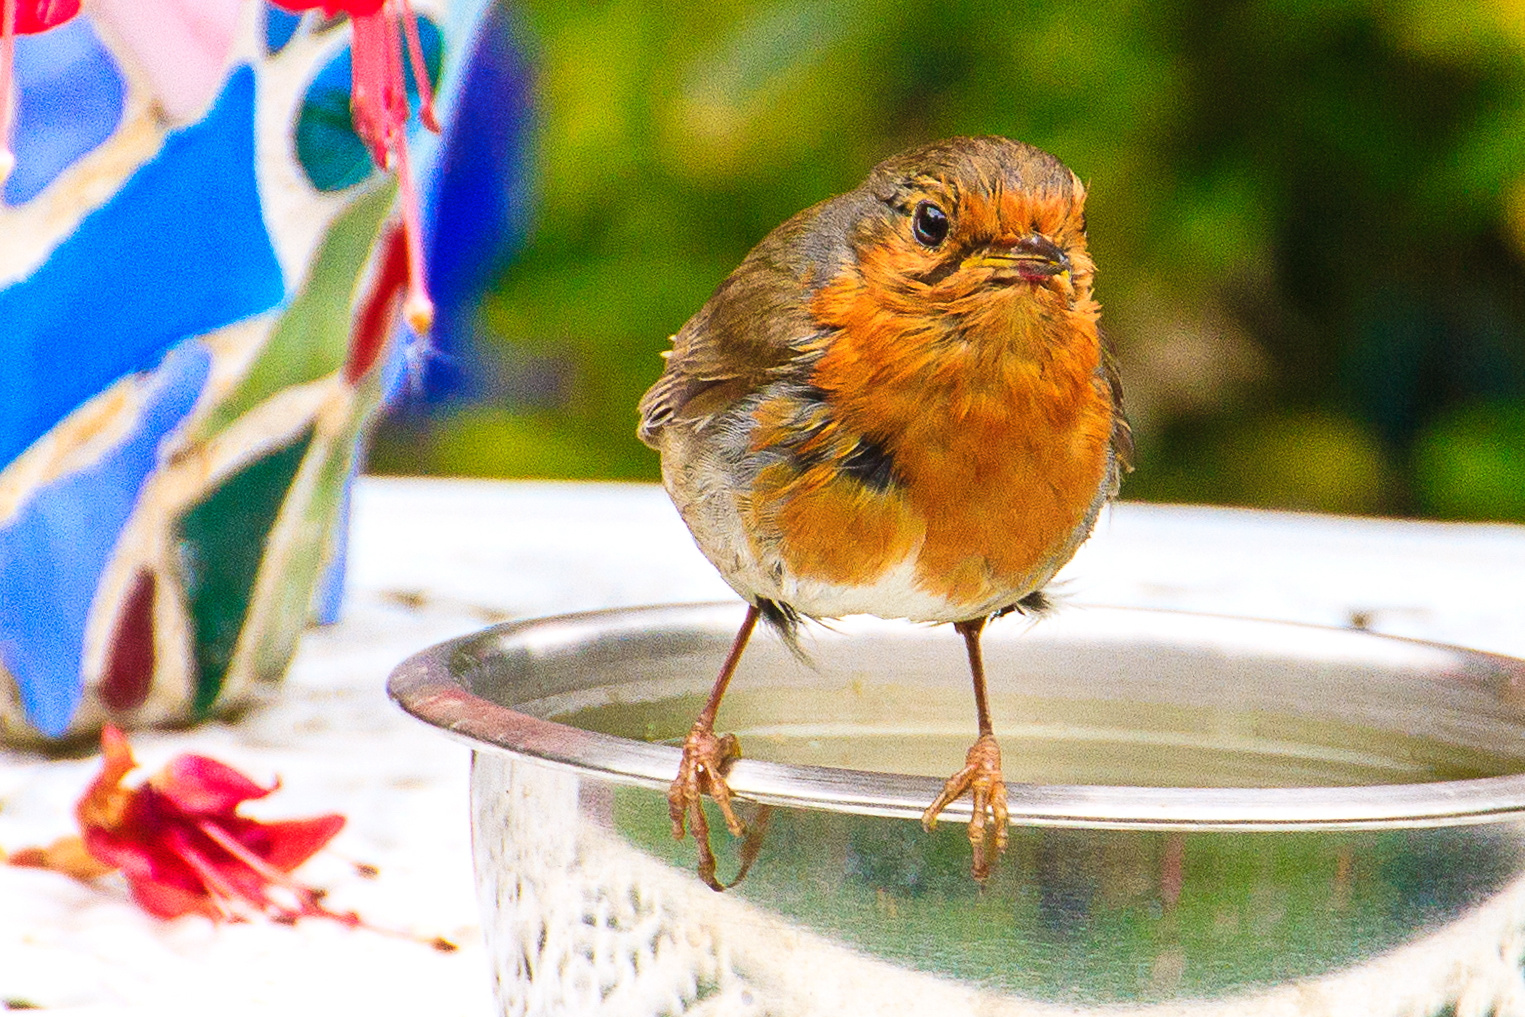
(926, 732)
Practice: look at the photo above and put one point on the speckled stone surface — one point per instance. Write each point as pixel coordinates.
(434, 559)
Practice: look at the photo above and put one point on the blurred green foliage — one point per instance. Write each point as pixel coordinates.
(1309, 217)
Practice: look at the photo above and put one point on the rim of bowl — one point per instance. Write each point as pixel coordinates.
(426, 687)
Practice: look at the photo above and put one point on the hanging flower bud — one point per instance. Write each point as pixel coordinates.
(379, 107)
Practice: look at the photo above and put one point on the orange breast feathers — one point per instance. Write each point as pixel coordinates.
(992, 416)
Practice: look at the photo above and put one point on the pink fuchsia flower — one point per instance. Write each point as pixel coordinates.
(182, 846)
(379, 107)
(22, 17)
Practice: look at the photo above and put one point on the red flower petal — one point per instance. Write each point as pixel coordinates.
(127, 855)
(287, 844)
(165, 900)
(199, 786)
(354, 8)
(33, 16)
(144, 851)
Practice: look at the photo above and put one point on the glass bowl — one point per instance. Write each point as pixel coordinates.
(1209, 815)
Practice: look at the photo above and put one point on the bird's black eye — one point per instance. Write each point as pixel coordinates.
(929, 223)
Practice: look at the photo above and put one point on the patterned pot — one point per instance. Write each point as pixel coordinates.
(200, 270)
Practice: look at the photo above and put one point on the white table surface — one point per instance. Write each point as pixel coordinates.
(432, 559)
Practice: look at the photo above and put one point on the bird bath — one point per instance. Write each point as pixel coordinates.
(1210, 815)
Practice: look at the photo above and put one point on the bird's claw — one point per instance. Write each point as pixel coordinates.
(706, 757)
(981, 778)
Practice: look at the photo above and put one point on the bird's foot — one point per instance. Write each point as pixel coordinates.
(981, 778)
(706, 757)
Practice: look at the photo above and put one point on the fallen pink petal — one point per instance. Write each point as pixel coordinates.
(178, 839)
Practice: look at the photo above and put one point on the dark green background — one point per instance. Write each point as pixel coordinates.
(1308, 217)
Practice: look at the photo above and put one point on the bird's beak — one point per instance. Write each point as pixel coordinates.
(1034, 258)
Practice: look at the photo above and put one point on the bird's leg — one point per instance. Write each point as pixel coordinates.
(981, 775)
(705, 760)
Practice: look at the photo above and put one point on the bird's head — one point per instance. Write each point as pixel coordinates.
(973, 244)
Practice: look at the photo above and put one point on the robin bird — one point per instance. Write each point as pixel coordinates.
(899, 404)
